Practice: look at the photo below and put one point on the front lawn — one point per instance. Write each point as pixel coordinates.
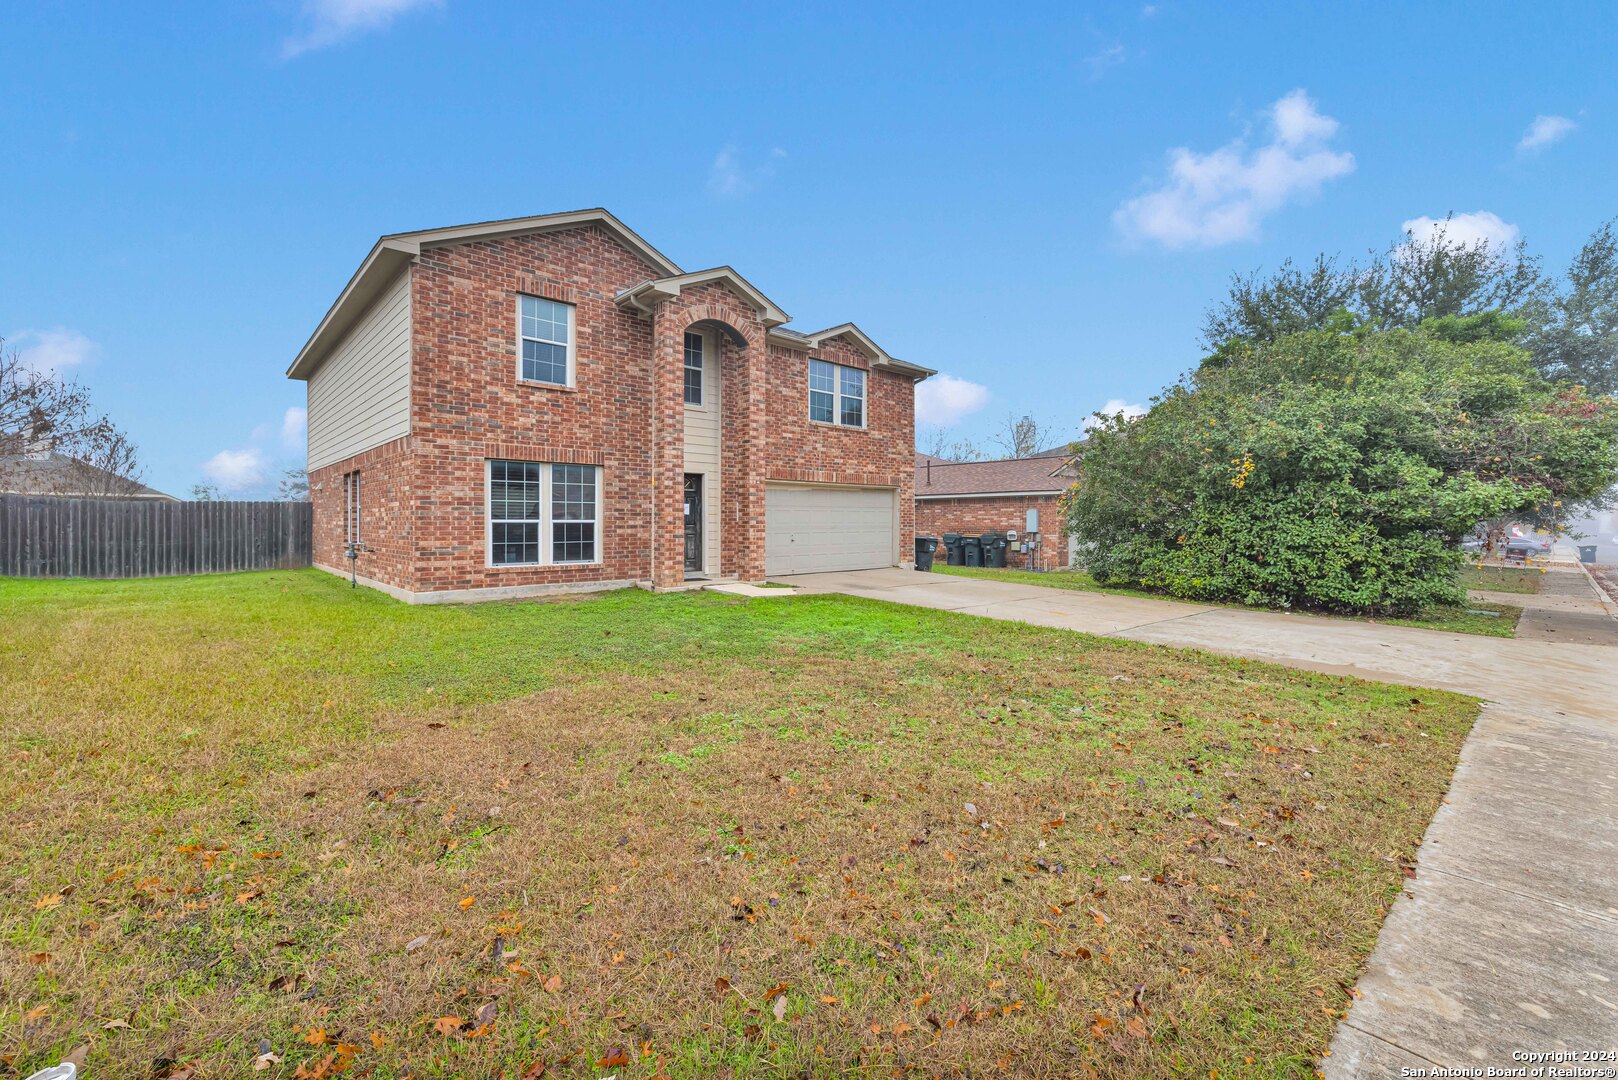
(681, 835)
(1507, 579)
(1490, 620)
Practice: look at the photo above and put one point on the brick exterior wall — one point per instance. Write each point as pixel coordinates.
(425, 521)
(882, 454)
(935, 517)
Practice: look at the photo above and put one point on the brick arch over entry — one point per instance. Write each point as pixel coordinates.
(739, 507)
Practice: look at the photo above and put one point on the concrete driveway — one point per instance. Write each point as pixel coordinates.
(1507, 939)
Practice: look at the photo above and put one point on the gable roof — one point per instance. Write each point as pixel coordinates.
(392, 253)
(878, 356)
(1009, 476)
(642, 297)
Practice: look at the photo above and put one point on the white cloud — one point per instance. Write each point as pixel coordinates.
(1466, 230)
(1103, 60)
(1544, 131)
(944, 399)
(1222, 196)
(237, 470)
(295, 428)
(729, 176)
(329, 22)
(51, 350)
(1113, 407)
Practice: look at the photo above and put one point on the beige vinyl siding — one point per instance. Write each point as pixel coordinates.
(702, 450)
(360, 396)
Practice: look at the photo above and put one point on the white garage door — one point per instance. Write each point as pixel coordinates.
(809, 529)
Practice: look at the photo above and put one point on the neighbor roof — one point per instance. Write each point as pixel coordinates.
(1010, 476)
(66, 477)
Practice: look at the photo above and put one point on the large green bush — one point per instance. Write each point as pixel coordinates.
(1335, 469)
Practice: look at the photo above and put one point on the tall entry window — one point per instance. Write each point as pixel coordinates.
(693, 368)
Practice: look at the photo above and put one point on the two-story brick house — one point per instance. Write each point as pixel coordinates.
(550, 403)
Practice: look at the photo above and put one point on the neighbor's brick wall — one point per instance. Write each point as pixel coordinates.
(880, 455)
(467, 404)
(935, 517)
(386, 476)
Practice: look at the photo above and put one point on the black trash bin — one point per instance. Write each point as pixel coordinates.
(971, 551)
(994, 549)
(925, 546)
(952, 549)
(1587, 553)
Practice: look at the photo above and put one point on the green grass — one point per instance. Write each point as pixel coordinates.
(619, 827)
(1507, 579)
(1457, 620)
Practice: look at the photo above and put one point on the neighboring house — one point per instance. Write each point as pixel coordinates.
(40, 470)
(975, 497)
(549, 403)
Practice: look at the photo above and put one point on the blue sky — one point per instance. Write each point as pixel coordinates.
(1039, 201)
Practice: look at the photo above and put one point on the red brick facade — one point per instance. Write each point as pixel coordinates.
(424, 496)
(975, 516)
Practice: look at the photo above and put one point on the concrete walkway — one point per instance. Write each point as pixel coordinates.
(1507, 939)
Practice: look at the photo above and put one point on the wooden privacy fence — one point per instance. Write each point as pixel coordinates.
(122, 538)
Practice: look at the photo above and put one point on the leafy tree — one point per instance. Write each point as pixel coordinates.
(1575, 337)
(1336, 470)
(205, 493)
(1569, 325)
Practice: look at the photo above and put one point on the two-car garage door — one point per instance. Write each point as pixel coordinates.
(812, 529)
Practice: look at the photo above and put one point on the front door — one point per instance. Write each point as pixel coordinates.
(693, 523)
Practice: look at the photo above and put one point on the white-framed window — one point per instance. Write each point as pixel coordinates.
(836, 394)
(351, 507)
(693, 368)
(543, 513)
(545, 334)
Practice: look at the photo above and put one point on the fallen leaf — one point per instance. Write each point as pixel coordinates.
(778, 990)
(466, 902)
(316, 1037)
(615, 1057)
(448, 1025)
(1139, 998)
(1136, 1027)
(781, 1009)
(39, 959)
(115, 1022)
(828, 999)
(721, 985)
(75, 1057)
(415, 943)
(487, 1013)
(378, 1039)
(48, 901)
(266, 1061)
(553, 984)
(268, 854)
(924, 999)
(36, 1012)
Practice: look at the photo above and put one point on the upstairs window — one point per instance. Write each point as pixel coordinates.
(836, 394)
(693, 368)
(546, 331)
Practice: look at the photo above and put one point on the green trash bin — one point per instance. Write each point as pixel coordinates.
(952, 549)
(994, 549)
(925, 546)
(971, 551)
